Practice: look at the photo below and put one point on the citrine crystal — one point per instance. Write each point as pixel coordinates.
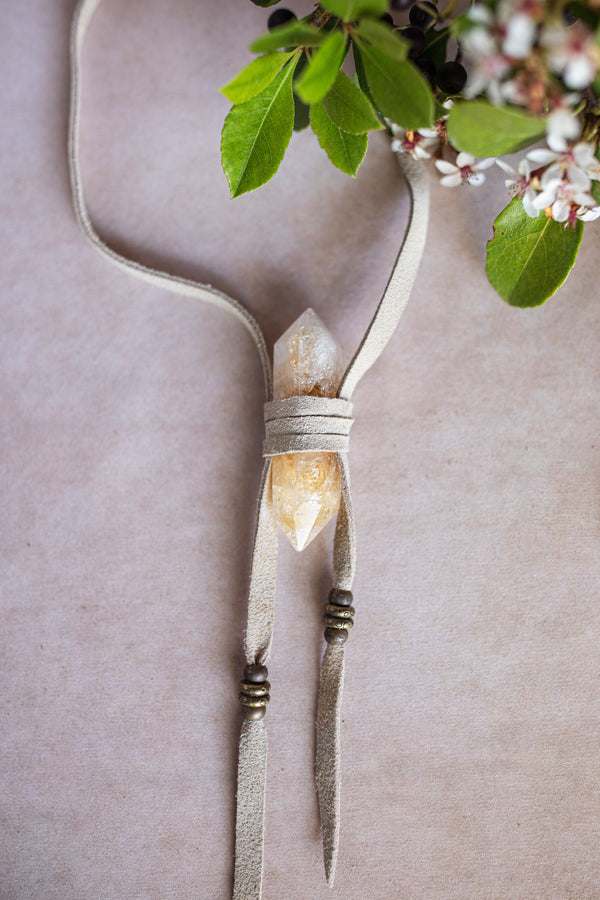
(306, 486)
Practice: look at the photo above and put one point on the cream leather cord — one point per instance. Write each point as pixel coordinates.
(292, 425)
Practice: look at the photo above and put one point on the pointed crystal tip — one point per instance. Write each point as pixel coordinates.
(306, 486)
(306, 360)
(306, 494)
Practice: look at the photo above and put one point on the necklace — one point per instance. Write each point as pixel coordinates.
(305, 422)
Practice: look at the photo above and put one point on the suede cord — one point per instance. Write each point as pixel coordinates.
(291, 425)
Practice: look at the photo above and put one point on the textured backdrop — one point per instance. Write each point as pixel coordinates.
(131, 428)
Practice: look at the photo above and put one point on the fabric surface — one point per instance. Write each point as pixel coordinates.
(132, 430)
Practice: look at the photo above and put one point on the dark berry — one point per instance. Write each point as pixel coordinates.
(451, 77)
(569, 16)
(427, 67)
(416, 39)
(280, 17)
(423, 14)
(401, 4)
(301, 115)
(387, 19)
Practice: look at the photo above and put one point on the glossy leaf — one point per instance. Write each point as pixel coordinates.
(346, 151)
(481, 129)
(398, 89)
(256, 134)
(265, 3)
(360, 78)
(348, 10)
(292, 34)
(320, 73)
(528, 259)
(348, 107)
(436, 48)
(255, 77)
(383, 38)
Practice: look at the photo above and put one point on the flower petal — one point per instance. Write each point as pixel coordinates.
(589, 215)
(476, 179)
(556, 142)
(544, 199)
(446, 167)
(542, 156)
(552, 175)
(520, 36)
(464, 159)
(451, 180)
(580, 72)
(528, 198)
(508, 169)
(578, 178)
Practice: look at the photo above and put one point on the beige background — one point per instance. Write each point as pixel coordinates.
(131, 455)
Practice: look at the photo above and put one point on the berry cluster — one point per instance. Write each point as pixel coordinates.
(450, 76)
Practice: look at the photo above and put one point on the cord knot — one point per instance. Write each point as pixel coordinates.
(307, 423)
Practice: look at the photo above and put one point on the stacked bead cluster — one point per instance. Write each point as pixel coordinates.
(254, 692)
(338, 616)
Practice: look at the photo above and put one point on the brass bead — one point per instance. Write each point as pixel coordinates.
(255, 690)
(336, 635)
(339, 597)
(245, 700)
(253, 713)
(342, 612)
(334, 622)
(255, 673)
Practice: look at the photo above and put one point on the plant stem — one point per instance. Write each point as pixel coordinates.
(449, 9)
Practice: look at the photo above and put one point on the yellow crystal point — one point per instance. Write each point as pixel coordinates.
(306, 486)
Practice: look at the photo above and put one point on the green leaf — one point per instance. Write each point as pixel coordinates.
(292, 34)
(596, 191)
(437, 44)
(348, 107)
(323, 66)
(256, 134)
(265, 3)
(361, 79)
(383, 38)
(528, 259)
(346, 151)
(398, 89)
(348, 10)
(255, 77)
(481, 129)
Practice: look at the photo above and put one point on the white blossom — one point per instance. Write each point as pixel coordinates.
(466, 171)
(520, 36)
(519, 184)
(562, 126)
(480, 14)
(572, 53)
(418, 144)
(584, 155)
(566, 200)
(485, 76)
(577, 165)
